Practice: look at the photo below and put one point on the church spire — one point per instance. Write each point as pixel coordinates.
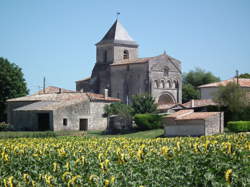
(117, 34)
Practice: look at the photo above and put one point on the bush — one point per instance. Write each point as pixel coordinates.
(4, 126)
(239, 126)
(148, 121)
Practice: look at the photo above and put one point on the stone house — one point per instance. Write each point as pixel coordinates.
(190, 123)
(207, 90)
(58, 111)
(119, 69)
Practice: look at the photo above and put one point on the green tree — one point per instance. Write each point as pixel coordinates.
(192, 80)
(118, 108)
(12, 84)
(245, 75)
(143, 103)
(189, 92)
(233, 97)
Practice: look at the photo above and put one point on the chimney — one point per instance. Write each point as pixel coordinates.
(82, 90)
(106, 91)
(192, 103)
(60, 90)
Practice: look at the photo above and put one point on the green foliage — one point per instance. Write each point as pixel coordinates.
(118, 108)
(233, 97)
(12, 83)
(239, 126)
(189, 92)
(4, 126)
(192, 80)
(245, 76)
(148, 121)
(143, 103)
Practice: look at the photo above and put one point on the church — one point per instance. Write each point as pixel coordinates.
(120, 72)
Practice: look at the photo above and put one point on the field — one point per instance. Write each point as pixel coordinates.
(221, 160)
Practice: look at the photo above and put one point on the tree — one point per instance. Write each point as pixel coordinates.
(143, 103)
(189, 92)
(120, 109)
(12, 84)
(192, 80)
(233, 97)
(245, 76)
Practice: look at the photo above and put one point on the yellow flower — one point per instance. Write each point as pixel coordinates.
(10, 181)
(228, 175)
(93, 178)
(106, 183)
(66, 175)
(112, 180)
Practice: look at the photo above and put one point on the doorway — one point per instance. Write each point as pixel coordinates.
(83, 124)
(43, 122)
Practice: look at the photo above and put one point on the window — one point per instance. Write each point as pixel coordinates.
(156, 84)
(166, 71)
(125, 54)
(169, 84)
(175, 85)
(105, 56)
(162, 85)
(65, 121)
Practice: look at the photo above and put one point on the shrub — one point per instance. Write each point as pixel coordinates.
(148, 121)
(4, 126)
(239, 126)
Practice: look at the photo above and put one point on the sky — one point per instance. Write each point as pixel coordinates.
(56, 38)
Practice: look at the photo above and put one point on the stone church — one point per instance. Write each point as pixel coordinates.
(119, 70)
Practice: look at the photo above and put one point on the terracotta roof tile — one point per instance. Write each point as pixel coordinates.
(180, 113)
(199, 103)
(100, 97)
(197, 115)
(53, 89)
(242, 83)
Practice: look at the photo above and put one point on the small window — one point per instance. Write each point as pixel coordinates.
(65, 121)
(166, 71)
(125, 54)
(156, 84)
(105, 56)
(162, 85)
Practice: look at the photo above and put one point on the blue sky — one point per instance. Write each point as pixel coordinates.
(55, 38)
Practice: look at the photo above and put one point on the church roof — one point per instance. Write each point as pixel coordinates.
(117, 34)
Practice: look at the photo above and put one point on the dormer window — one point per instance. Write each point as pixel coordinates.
(125, 54)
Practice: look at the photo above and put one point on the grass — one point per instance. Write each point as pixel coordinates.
(43, 134)
(141, 134)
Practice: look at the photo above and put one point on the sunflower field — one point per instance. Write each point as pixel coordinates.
(222, 160)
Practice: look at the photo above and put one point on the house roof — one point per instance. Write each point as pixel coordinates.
(170, 106)
(117, 34)
(53, 89)
(199, 103)
(191, 115)
(64, 97)
(86, 79)
(242, 83)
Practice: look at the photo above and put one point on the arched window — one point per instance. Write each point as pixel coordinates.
(169, 84)
(156, 84)
(125, 54)
(175, 84)
(162, 84)
(105, 56)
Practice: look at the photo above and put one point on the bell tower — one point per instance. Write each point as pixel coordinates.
(116, 46)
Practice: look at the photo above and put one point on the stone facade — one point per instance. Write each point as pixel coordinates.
(190, 123)
(59, 111)
(119, 70)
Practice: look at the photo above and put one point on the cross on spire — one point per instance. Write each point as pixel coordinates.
(117, 14)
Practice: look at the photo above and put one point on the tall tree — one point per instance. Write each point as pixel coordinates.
(12, 84)
(192, 80)
(233, 97)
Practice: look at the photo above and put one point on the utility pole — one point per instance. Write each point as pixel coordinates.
(44, 85)
(237, 77)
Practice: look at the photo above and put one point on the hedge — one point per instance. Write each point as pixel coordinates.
(239, 126)
(148, 121)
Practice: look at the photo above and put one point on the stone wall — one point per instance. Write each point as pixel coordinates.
(129, 80)
(73, 114)
(215, 124)
(184, 128)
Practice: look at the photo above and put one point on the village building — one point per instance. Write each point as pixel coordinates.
(190, 123)
(207, 91)
(119, 69)
(59, 109)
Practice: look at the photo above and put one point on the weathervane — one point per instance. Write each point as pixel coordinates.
(117, 14)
